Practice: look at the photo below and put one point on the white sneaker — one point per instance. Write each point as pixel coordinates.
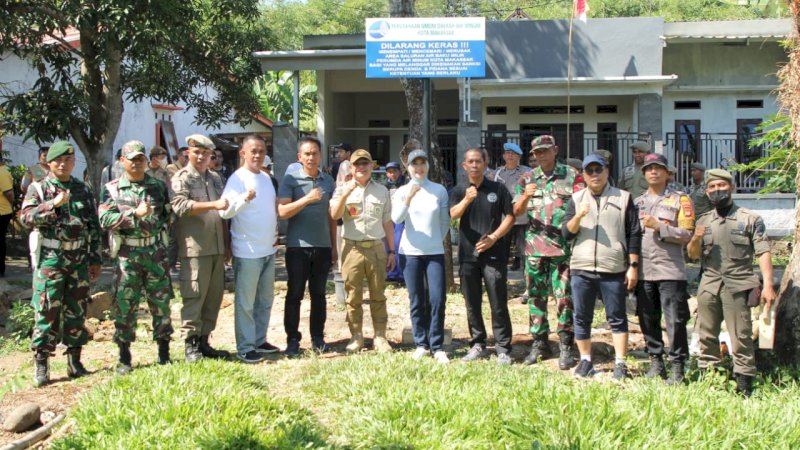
(441, 357)
(419, 353)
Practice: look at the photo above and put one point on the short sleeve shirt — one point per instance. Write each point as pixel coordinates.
(482, 217)
(6, 184)
(311, 226)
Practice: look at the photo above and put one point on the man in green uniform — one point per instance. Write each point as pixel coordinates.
(61, 209)
(697, 191)
(135, 208)
(632, 179)
(727, 238)
(543, 195)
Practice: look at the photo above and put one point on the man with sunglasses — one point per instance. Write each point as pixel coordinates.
(602, 222)
(542, 196)
(364, 206)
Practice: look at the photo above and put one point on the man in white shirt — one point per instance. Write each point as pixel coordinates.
(253, 209)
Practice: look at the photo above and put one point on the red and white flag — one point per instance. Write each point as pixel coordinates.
(580, 8)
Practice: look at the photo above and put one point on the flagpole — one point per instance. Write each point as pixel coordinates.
(569, 78)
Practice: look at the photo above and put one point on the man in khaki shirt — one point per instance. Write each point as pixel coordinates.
(202, 243)
(365, 208)
(727, 238)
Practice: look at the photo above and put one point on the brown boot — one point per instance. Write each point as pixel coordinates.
(356, 343)
(379, 342)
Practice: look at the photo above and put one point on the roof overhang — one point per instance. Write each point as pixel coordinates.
(341, 59)
(728, 31)
(578, 86)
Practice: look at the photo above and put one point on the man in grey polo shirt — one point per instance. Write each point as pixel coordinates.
(509, 175)
(303, 200)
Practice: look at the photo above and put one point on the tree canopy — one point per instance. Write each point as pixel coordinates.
(196, 52)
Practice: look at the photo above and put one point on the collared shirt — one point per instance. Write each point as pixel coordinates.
(200, 234)
(366, 210)
(510, 178)
(729, 245)
(119, 201)
(546, 209)
(481, 218)
(311, 226)
(662, 251)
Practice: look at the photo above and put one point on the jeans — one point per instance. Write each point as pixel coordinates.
(306, 265)
(669, 297)
(255, 287)
(397, 273)
(494, 275)
(424, 275)
(584, 295)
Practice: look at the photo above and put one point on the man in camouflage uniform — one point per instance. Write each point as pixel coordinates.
(632, 179)
(135, 208)
(543, 195)
(62, 209)
(727, 238)
(203, 242)
(667, 218)
(697, 191)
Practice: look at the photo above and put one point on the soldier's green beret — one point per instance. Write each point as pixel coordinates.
(718, 174)
(58, 149)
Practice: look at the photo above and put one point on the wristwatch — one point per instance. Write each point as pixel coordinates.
(634, 264)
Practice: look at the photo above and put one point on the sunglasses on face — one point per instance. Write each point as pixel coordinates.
(596, 170)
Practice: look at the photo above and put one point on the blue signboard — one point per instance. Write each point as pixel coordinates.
(426, 47)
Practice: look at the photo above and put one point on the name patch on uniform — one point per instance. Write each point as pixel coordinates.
(492, 197)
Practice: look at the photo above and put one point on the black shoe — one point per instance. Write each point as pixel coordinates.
(657, 368)
(477, 352)
(620, 372)
(192, 350)
(210, 352)
(585, 369)
(251, 357)
(540, 349)
(292, 348)
(124, 366)
(744, 384)
(41, 374)
(163, 352)
(75, 368)
(516, 264)
(319, 345)
(565, 358)
(266, 347)
(677, 375)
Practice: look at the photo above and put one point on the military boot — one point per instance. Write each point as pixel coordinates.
(565, 358)
(124, 366)
(379, 342)
(356, 343)
(75, 368)
(192, 350)
(539, 349)
(677, 374)
(210, 352)
(163, 352)
(744, 384)
(41, 374)
(657, 368)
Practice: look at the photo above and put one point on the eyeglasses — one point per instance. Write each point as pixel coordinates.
(596, 170)
(213, 158)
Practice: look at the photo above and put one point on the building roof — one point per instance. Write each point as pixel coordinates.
(728, 30)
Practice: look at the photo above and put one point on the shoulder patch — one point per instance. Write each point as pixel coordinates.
(686, 205)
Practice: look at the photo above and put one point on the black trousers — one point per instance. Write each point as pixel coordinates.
(309, 265)
(493, 274)
(667, 297)
(4, 221)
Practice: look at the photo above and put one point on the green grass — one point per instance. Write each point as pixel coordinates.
(210, 405)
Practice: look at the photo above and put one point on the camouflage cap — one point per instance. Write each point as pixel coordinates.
(59, 149)
(641, 146)
(132, 149)
(718, 174)
(198, 140)
(544, 141)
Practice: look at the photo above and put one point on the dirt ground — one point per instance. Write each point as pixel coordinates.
(100, 356)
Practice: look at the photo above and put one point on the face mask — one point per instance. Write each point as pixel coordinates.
(720, 198)
(162, 163)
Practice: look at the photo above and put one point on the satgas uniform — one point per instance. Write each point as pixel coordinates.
(201, 249)
(633, 180)
(662, 272)
(142, 263)
(547, 252)
(70, 244)
(730, 242)
(699, 199)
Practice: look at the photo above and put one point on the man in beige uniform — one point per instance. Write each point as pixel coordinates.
(202, 242)
(727, 238)
(157, 165)
(632, 179)
(365, 208)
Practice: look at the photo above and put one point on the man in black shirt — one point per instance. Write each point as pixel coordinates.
(485, 210)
